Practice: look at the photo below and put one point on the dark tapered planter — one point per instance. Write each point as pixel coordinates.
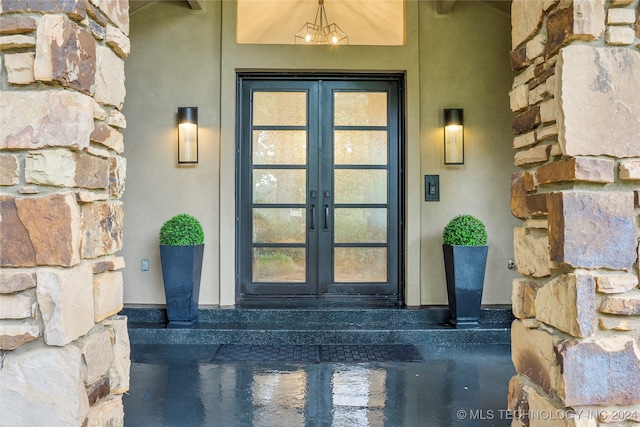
(181, 269)
(465, 267)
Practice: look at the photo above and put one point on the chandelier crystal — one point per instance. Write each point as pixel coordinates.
(321, 32)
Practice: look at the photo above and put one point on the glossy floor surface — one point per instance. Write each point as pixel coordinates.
(179, 385)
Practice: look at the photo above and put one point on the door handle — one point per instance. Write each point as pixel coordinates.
(326, 201)
(313, 194)
(326, 217)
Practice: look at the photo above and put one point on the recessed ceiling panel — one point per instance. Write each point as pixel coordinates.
(366, 22)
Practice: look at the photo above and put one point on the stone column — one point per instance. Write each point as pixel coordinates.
(64, 350)
(575, 342)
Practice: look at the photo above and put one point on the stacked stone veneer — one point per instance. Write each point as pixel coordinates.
(64, 358)
(575, 342)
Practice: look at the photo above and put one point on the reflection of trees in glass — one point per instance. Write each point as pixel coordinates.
(279, 147)
(360, 108)
(279, 185)
(360, 147)
(279, 225)
(360, 186)
(360, 264)
(279, 265)
(279, 108)
(356, 225)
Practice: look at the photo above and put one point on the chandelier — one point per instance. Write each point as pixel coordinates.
(321, 32)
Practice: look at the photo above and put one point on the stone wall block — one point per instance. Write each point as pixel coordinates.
(518, 59)
(523, 298)
(616, 283)
(97, 354)
(53, 118)
(526, 19)
(53, 225)
(98, 390)
(20, 305)
(548, 111)
(547, 132)
(44, 382)
(626, 304)
(604, 373)
(638, 22)
(108, 412)
(9, 169)
(615, 323)
(531, 251)
(110, 88)
(537, 204)
(77, 9)
(526, 121)
(102, 228)
(537, 154)
(16, 280)
(117, 11)
(117, 176)
(534, 356)
(91, 171)
(619, 16)
(518, 196)
(118, 41)
(535, 46)
(108, 294)
(51, 167)
(19, 68)
(65, 298)
(577, 169)
(519, 98)
(525, 140)
(568, 303)
(109, 137)
(65, 53)
(17, 24)
(119, 371)
(108, 264)
(589, 18)
(599, 91)
(17, 41)
(16, 248)
(117, 119)
(630, 170)
(16, 333)
(619, 36)
(592, 229)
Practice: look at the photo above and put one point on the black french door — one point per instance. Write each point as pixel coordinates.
(319, 203)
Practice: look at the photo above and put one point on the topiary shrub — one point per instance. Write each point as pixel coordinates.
(465, 230)
(181, 230)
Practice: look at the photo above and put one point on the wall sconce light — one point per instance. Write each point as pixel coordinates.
(453, 137)
(187, 134)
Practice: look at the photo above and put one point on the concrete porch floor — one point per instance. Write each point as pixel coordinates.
(179, 385)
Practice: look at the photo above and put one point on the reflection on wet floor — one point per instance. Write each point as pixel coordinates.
(180, 386)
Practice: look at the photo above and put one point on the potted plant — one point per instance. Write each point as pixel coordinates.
(465, 259)
(181, 251)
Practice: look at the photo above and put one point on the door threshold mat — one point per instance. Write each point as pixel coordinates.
(352, 353)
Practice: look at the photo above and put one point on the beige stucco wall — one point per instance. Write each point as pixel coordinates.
(182, 57)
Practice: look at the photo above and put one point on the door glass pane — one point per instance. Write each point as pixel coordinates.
(279, 108)
(360, 109)
(360, 225)
(360, 147)
(279, 264)
(360, 186)
(279, 185)
(279, 147)
(360, 264)
(279, 225)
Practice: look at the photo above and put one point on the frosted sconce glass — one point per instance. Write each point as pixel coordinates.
(453, 137)
(188, 135)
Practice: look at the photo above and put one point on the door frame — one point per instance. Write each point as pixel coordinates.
(318, 299)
